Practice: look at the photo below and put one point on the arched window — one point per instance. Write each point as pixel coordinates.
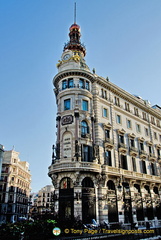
(84, 128)
(87, 182)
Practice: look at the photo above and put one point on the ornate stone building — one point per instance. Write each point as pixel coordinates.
(106, 161)
(14, 187)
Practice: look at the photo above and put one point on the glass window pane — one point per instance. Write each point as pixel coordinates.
(81, 83)
(64, 84)
(67, 104)
(87, 85)
(84, 128)
(85, 105)
(70, 83)
(104, 112)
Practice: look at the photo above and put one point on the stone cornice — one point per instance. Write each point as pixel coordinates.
(72, 72)
(127, 96)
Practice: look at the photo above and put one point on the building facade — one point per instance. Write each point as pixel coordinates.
(44, 199)
(1, 157)
(106, 160)
(14, 187)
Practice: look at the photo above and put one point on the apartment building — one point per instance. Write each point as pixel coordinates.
(14, 187)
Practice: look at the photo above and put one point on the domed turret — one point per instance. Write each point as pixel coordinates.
(75, 44)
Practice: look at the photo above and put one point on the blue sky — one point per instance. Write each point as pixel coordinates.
(123, 42)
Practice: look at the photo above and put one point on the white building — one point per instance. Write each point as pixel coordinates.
(14, 187)
(106, 161)
(44, 199)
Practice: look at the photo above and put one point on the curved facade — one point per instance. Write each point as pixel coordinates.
(106, 160)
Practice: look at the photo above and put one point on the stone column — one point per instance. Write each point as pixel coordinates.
(76, 114)
(102, 204)
(93, 130)
(120, 204)
(133, 204)
(58, 138)
(78, 202)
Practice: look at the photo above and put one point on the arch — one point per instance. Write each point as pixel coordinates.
(137, 187)
(84, 128)
(111, 185)
(66, 199)
(66, 183)
(93, 178)
(147, 188)
(87, 182)
(155, 190)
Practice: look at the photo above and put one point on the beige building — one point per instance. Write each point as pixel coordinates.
(106, 161)
(14, 187)
(44, 199)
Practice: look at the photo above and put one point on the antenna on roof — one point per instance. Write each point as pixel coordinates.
(75, 12)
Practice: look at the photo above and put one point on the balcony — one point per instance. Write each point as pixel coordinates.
(133, 151)
(74, 166)
(152, 157)
(122, 148)
(86, 135)
(74, 86)
(108, 143)
(110, 170)
(142, 154)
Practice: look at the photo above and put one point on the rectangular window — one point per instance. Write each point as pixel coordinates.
(143, 167)
(127, 107)
(118, 119)
(128, 123)
(64, 84)
(155, 135)
(108, 158)
(138, 129)
(121, 139)
(144, 116)
(86, 153)
(107, 134)
(153, 120)
(141, 146)
(87, 85)
(132, 143)
(158, 123)
(117, 101)
(81, 83)
(136, 112)
(67, 104)
(104, 112)
(150, 149)
(158, 152)
(134, 164)
(70, 83)
(123, 162)
(146, 132)
(85, 105)
(105, 95)
(152, 169)
(102, 93)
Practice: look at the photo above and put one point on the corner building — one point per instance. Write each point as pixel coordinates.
(106, 160)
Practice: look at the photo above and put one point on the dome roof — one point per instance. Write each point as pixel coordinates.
(74, 26)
